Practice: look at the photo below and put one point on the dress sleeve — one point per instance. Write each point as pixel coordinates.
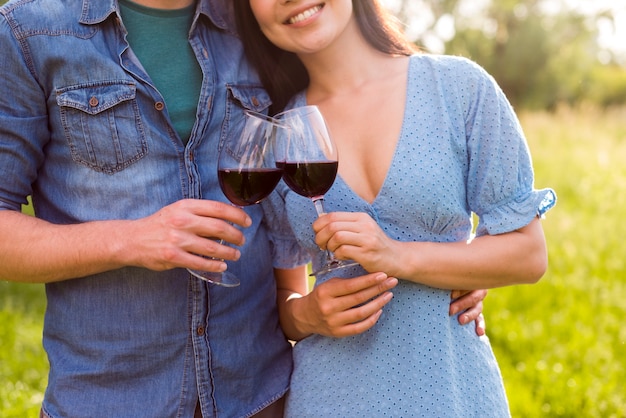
(500, 185)
(286, 250)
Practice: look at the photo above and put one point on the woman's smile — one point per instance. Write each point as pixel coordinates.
(305, 14)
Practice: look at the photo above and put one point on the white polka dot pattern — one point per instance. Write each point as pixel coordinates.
(461, 150)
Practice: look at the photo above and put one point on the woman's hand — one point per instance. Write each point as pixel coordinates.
(484, 262)
(356, 236)
(341, 307)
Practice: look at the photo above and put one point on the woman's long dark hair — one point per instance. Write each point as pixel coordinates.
(282, 72)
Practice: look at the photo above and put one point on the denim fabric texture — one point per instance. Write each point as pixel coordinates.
(84, 131)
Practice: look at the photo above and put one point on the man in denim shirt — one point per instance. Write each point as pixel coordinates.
(84, 130)
(126, 195)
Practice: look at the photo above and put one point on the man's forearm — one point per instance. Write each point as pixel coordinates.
(36, 251)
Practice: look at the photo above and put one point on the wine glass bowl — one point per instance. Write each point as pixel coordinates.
(247, 174)
(247, 170)
(310, 163)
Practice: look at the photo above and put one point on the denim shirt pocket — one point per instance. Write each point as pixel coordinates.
(239, 99)
(102, 124)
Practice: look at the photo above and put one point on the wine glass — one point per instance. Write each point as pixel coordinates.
(310, 163)
(247, 174)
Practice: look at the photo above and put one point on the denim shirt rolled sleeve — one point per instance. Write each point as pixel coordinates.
(23, 124)
(84, 131)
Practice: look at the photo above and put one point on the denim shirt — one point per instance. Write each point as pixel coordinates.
(85, 132)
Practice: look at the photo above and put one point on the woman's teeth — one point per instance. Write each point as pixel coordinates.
(304, 15)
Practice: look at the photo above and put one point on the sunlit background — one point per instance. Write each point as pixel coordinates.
(432, 23)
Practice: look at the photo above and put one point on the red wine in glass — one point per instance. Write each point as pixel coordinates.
(247, 174)
(310, 179)
(247, 187)
(310, 163)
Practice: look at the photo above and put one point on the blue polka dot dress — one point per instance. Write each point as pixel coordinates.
(461, 150)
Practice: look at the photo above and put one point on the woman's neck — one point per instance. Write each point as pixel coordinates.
(343, 70)
(344, 67)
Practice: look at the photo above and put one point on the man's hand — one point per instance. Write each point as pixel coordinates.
(180, 233)
(470, 306)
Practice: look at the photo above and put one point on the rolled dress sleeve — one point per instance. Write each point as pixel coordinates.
(500, 187)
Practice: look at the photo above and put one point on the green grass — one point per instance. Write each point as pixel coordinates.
(561, 343)
(23, 365)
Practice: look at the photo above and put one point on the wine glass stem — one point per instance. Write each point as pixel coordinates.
(319, 205)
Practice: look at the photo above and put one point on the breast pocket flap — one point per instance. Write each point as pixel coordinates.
(93, 99)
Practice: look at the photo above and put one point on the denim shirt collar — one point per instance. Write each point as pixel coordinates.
(220, 12)
(96, 11)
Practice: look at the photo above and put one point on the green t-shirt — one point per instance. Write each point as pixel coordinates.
(159, 38)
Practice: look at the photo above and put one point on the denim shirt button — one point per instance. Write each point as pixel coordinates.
(93, 101)
(255, 101)
(159, 105)
(200, 331)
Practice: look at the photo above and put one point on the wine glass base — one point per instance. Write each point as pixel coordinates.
(224, 279)
(335, 265)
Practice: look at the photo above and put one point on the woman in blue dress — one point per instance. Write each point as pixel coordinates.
(424, 141)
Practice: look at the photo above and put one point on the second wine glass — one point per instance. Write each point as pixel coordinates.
(247, 174)
(311, 163)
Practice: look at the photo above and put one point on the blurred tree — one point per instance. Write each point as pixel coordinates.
(541, 52)
(540, 59)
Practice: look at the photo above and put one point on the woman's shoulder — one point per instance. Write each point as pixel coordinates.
(450, 74)
(446, 64)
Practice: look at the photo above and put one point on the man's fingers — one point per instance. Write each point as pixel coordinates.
(480, 325)
(471, 314)
(467, 300)
(215, 209)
